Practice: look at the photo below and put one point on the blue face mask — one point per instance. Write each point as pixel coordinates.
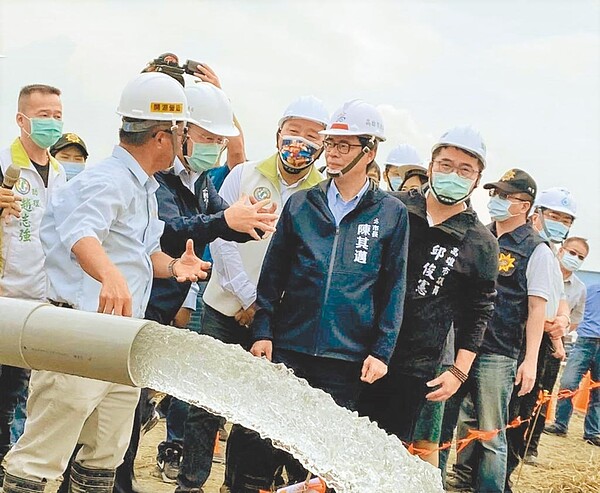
(450, 188)
(45, 132)
(570, 262)
(553, 231)
(498, 209)
(396, 183)
(72, 169)
(204, 156)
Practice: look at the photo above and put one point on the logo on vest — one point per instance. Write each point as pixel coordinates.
(506, 262)
(261, 193)
(23, 186)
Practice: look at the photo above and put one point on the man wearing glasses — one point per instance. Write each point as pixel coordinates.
(452, 269)
(331, 289)
(509, 353)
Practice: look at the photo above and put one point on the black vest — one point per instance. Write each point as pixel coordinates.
(506, 330)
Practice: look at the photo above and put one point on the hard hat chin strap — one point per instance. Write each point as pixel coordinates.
(365, 150)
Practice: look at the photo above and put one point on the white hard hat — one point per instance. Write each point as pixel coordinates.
(403, 154)
(307, 108)
(356, 118)
(557, 199)
(153, 96)
(210, 109)
(466, 138)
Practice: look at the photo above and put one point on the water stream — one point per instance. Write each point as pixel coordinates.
(350, 453)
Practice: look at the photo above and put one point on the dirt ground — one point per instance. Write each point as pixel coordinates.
(566, 465)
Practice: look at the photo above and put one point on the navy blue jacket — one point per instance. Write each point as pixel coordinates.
(335, 292)
(199, 216)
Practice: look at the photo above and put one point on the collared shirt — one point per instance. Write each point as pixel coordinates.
(286, 189)
(115, 203)
(338, 206)
(575, 293)
(590, 327)
(187, 177)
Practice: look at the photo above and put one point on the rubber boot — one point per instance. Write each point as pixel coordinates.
(13, 484)
(84, 480)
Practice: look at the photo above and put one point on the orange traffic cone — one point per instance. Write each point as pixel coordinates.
(581, 399)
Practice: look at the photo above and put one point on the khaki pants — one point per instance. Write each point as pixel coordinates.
(64, 410)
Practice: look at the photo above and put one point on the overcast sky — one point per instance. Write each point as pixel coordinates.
(526, 73)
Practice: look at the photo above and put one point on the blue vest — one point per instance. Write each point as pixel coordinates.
(506, 330)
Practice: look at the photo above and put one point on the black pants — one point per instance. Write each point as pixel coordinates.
(549, 378)
(252, 463)
(523, 407)
(395, 402)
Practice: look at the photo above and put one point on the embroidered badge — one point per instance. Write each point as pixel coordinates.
(23, 186)
(506, 262)
(509, 175)
(262, 193)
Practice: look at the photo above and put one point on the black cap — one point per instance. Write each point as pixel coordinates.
(66, 140)
(515, 181)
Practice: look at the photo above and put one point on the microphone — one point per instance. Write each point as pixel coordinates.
(11, 176)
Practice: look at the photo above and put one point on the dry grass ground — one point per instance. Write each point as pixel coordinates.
(566, 465)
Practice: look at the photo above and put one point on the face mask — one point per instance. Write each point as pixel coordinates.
(498, 209)
(396, 183)
(297, 153)
(204, 156)
(45, 132)
(570, 262)
(553, 231)
(450, 188)
(71, 168)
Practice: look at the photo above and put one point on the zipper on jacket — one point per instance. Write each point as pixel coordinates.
(329, 275)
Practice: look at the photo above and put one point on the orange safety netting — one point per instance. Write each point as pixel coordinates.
(484, 436)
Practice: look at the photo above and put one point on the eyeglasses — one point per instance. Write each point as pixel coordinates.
(574, 254)
(494, 192)
(557, 216)
(343, 147)
(462, 170)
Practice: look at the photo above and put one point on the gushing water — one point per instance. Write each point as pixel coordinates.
(350, 453)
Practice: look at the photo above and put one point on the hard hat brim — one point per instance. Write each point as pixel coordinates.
(339, 131)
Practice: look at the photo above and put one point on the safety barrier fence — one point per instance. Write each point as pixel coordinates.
(483, 435)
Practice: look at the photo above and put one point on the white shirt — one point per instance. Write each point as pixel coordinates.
(187, 177)
(544, 278)
(115, 203)
(226, 256)
(575, 292)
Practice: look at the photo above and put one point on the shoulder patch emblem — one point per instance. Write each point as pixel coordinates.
(506, 262)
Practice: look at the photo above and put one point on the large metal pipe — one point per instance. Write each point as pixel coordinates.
(41, 336)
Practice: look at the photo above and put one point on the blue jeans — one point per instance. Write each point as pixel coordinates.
(201, 427)
(178, 410)
(490, 384)
(584, 356)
